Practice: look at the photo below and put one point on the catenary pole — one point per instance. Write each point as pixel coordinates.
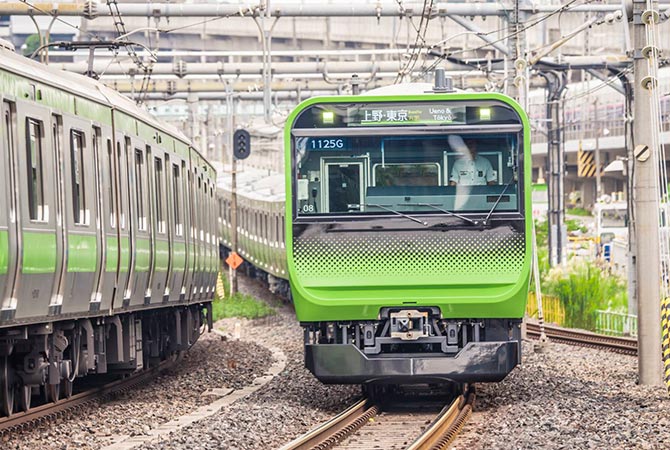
(645, 203)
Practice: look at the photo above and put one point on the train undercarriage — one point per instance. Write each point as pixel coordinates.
(412, 345)
(44, 360)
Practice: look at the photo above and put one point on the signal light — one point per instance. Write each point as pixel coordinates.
(484, 113)
(241, 144)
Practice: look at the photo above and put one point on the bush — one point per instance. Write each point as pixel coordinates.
(578, 212)
(584, 287)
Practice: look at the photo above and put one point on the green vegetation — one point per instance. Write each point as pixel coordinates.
(581, 286)
(578, 212)
(584, 287)
(32, 43)
(239, 305)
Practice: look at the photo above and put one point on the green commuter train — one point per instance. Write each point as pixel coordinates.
(407, 234)
(108, 234)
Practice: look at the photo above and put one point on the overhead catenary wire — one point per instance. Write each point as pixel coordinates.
(522, 29)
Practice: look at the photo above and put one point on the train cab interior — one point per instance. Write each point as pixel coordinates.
(468, 173)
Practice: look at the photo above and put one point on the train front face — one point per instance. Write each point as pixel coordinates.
(408, 235)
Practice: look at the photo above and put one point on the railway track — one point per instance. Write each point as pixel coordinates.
(371, 425)
(616, 344)
(49, 411)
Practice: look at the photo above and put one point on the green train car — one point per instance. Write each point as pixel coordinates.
(261, 239)
(408, 235)
(108, 234)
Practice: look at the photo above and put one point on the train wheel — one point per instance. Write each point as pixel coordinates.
(66, 387)
(6, 387)
(25, 395)
(53, 392)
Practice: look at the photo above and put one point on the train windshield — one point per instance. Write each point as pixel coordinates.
(406, 158)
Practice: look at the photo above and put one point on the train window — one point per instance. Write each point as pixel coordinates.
(176, 192)
(119, 165)
(158, 178)
(34, 138)
(167, 194)
(77, 144)
(283, 229)
(111, 190)
(207, 211)
(139, 190)
(184, 190)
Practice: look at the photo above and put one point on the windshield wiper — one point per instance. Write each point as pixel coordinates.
(495, 205)
(451, 213)
(413, 219)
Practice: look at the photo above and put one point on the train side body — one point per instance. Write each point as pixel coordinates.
(108, 236)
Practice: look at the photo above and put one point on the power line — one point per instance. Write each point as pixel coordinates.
(538, 21)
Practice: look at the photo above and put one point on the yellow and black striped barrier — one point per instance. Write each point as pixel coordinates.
(665, 329)
(586, 166)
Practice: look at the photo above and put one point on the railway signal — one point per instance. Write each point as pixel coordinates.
(241, 144)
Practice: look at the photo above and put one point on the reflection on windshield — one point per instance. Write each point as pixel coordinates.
(409, 174)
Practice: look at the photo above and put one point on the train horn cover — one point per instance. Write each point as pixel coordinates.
(241, 144)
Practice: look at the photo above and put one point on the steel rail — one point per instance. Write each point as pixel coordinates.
(53, 410)
(616, 344)
(445, 428)
(336, 429)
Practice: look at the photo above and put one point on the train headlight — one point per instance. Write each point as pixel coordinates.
(484, 113)
(328, 117)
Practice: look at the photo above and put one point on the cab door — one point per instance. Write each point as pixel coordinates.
(343, 186)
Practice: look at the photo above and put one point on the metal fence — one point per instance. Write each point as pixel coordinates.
(616, 324)
(551, 307)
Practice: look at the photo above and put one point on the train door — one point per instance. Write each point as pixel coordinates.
(160, 216)
(37, 197)
(125, 239)
(170, 224)
(342, 186)
(10, 237)
(61, 235)
(188, 237)
(110, 224)
(101, 206)
(80, 213)
(144, 244)
(178, 266)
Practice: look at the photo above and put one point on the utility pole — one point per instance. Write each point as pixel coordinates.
(645, 202)
(556, 82)
(597, 121)
(230, 125)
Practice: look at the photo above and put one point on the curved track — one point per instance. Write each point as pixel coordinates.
(616, 344)
(369, 425)
(50, 411)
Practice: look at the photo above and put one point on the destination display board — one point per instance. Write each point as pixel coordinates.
(408, 114)
(405, 114)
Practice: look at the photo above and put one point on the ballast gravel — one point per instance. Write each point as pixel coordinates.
(211, 363)
(280, 411)
(569, 397)
(564, 398)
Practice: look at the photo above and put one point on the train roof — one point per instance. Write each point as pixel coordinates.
(252, 183)
(82, 86)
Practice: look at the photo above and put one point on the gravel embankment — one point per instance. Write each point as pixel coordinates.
(211, 363)
(569, 398)
(286, 407)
